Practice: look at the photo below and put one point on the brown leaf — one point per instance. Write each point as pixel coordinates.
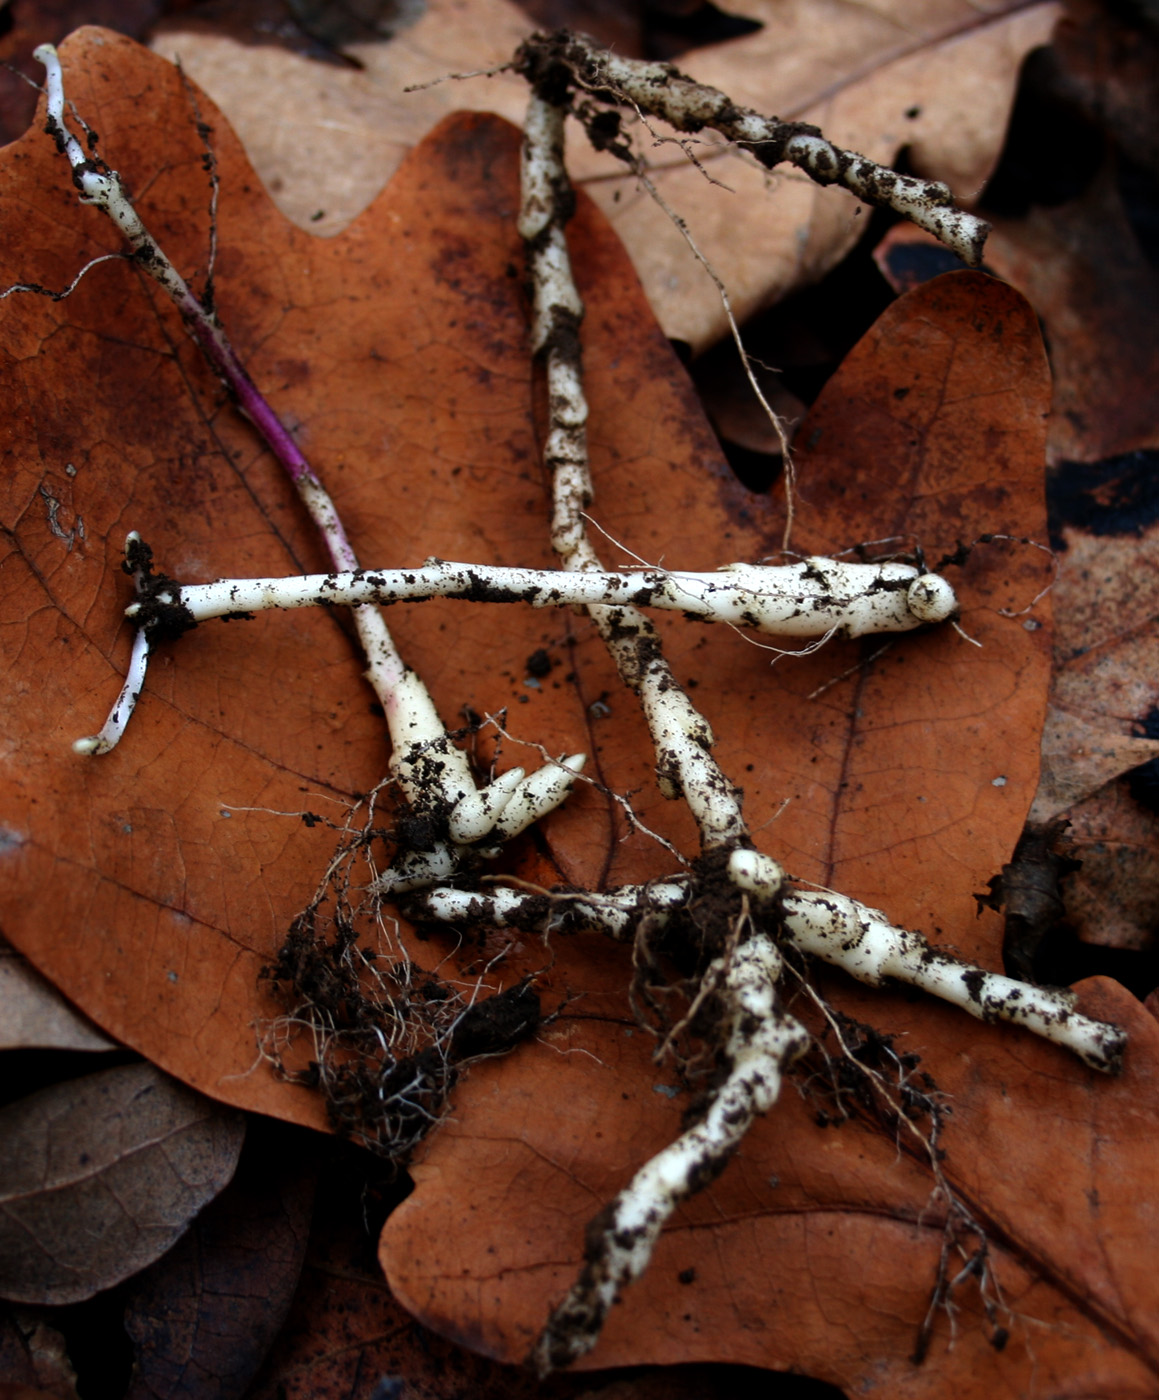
(934, 76)
(1081, 267)
(325, 139)
(1109, 62)
(202, 1318)
(818, 1248)
(1113, 899)
(1105, 693)
(908, 778)
(1079, 757)
(33, 1014)
(98, 1177)
(176, 907)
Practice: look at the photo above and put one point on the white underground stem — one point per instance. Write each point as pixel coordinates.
(834, 928)
(812, 598)
(661, 90)
(862, 942)
(762, 1040)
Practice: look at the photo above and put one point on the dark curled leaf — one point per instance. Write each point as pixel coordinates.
(99, 1176)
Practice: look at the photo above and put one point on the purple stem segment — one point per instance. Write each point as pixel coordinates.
(222, 357)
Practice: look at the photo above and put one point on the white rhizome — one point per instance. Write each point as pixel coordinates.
(765, 915)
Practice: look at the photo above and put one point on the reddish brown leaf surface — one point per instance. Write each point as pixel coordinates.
(398, 353)
(818, 1248)
(1082, 267)
(151, 885)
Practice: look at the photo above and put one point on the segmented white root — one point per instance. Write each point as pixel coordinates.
(684, 764)
(865, 944)
(762, 1040)
(838, 930)
(661, 90)
(616, 913)
(811, 598)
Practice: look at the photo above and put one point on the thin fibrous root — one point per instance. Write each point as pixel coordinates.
(559, 62)
(814, 597)
(762, 1040)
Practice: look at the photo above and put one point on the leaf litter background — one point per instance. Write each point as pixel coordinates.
(749, 538)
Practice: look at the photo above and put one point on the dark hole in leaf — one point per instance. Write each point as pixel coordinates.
(913, 263)
(1064, 959)
(98, 1346)
(1143, 782)
(1052, 150)
(673, 26)
(1139, 191)
(1117, 496)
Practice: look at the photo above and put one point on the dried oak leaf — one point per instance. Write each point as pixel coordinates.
(407, 335)
(1113, 898)
(1104, 715)
(934, 76)
(1082, 268)
(99, 1176)
(203, 1317)
(818, 1248)
(152, 885)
